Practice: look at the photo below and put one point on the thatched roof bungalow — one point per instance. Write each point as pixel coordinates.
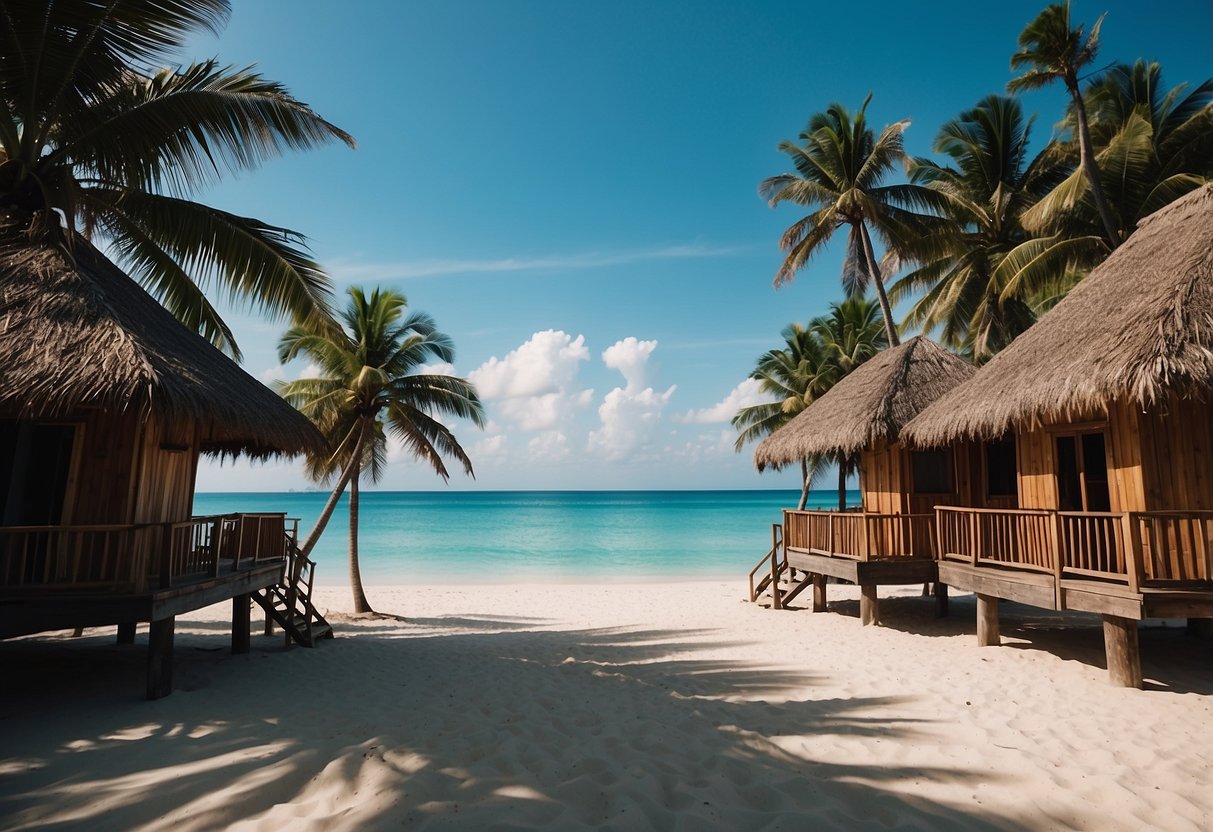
(889, 540)
(1108, 400)
(106, 403)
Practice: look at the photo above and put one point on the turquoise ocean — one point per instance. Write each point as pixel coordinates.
(508, 536)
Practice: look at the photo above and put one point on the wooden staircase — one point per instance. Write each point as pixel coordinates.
(779, 582)
(289, 604)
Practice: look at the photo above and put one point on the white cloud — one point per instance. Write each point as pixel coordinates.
(629, 415)
(276, 373)
(442, 368)
(534, 385)
(351, 271)
(746, 394)
(549, 446)
(491, 449)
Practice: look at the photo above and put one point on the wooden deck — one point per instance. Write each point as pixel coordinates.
(865, 548)
(1124, 566)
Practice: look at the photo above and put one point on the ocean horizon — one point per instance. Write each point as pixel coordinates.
(427, 537)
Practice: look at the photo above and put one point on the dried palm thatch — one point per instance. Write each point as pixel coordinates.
(869, 405)
(1137, 328)
(82, 334)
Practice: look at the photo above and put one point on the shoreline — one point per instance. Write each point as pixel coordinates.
(517, 707)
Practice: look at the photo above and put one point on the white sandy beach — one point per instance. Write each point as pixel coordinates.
(620, 706)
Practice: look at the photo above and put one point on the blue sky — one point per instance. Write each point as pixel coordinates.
(570, 190)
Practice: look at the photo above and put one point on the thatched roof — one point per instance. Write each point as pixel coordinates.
(84, 335)
(869, 405)
(1138, 327)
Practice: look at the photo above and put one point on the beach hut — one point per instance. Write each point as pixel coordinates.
(1107, 401)
(106, 403)
(890, 540)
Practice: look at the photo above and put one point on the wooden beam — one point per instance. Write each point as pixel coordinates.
(160, 658)
(869, 605)
(988, 634)
(241, 622)
(126, 632)
(1123, 652)
(819, 592)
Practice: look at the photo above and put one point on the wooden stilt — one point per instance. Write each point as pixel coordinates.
(269, 623)
(869, 605)
(941, 600)
(126, 632)
(1201, 628)
(988, 634)
(241, 621)
(160, 658)
(1123, 652)
(819, 593)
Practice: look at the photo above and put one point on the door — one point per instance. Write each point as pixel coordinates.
(1082, 472)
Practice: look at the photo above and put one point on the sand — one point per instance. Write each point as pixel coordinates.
(628, 707)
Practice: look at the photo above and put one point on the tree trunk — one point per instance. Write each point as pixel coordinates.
(874, 270)
(361, 604)
(804, 484)
(842, 484)
(313, 536)
(1086, 155)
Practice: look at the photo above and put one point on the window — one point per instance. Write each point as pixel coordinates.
(932, 471)
(35, 461)
(1001, 468)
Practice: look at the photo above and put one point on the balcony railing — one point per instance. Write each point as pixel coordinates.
(860, 535)
(142, 557)
(1137, 548)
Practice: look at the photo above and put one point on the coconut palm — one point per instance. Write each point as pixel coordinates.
(839, 169)
(850, 333)
(795, 375)
(371, 385)
(812, 361)
(960, 288)
(1052, 50)
(98, 141)
(1153, 145)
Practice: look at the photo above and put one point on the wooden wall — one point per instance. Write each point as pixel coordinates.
(1176, 459)
(169, 461)
(1034, 456)
(884, 479)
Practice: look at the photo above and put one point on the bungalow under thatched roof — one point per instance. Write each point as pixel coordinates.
(83, 334)
(1138, 327)
(869, 405)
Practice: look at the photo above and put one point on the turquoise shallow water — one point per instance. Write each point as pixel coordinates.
(502, 536)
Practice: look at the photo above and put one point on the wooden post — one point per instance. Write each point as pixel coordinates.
(941, 600)
(1123, 652)
(269, 620)
(241, 623)
(126, 632)
(776, 600)
(869, 605)
(987, 621)
(1059, 562)
(160, 658)
(819, 593)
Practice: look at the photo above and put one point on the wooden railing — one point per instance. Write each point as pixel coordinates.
(861, 535)
(1132, 548)
(136, 558)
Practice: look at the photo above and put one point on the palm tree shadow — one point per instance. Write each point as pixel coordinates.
(602, 727)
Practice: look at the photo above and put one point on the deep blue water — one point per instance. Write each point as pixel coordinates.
(500, 536)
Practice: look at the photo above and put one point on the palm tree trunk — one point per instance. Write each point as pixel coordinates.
(804, 484)
(313, 536)
(1086, 156)
(361, 604)
(874, 270)
(842, 484)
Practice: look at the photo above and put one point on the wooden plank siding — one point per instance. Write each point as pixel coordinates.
(884, 479)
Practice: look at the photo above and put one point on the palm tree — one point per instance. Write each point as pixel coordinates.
(795, 375)
(812, 361)
(371, 385)
(96, 141)
(992, 181)
(1153, 145)
(839, 167)
(1052, 51)
(850, 334)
